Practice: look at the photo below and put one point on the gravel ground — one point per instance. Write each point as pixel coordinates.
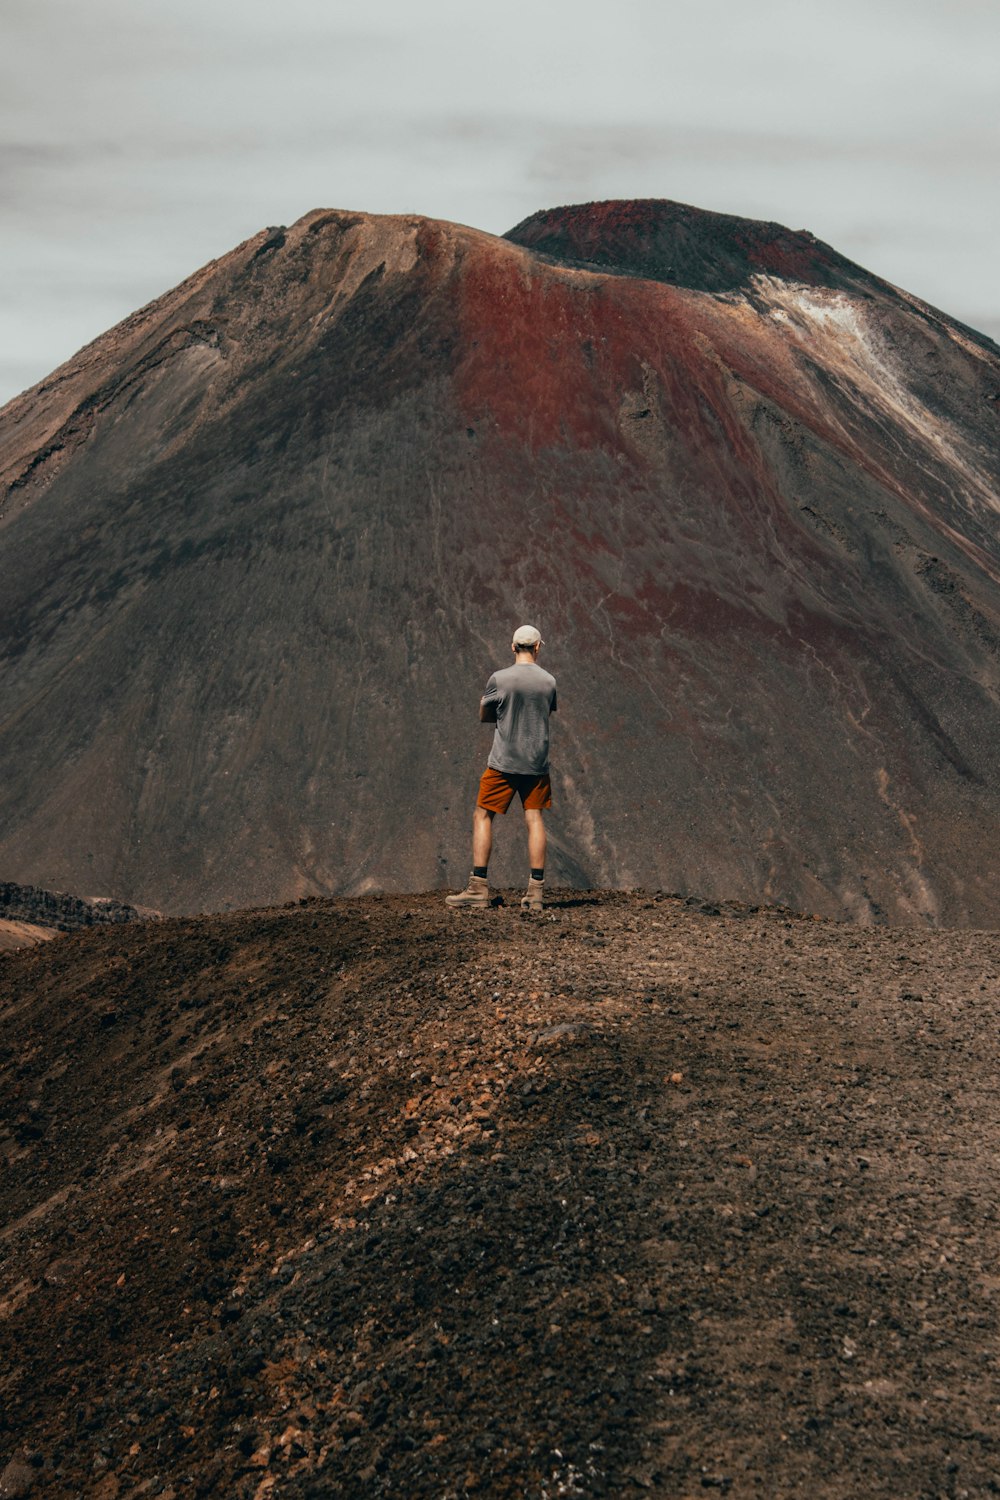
(643, 1196)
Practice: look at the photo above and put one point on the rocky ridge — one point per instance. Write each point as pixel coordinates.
(29, 915)
(649, 1196)
(63, 912)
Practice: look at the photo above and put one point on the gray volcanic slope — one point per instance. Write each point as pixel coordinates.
(261, 545)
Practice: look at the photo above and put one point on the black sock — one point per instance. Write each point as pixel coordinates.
(479, 870)
(538, 874)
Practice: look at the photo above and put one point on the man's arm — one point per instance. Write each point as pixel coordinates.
(488, 702)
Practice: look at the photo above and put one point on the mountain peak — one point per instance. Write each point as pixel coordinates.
(674, 242)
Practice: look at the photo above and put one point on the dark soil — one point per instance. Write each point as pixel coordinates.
(372, 1198)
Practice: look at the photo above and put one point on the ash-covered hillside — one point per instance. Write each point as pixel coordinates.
(261, 545)
(372, 1198)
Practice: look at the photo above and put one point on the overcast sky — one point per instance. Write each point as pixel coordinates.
(141, 138)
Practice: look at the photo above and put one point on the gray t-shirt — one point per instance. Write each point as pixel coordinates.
(525, 695)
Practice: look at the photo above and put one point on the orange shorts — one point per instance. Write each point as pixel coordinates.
(497, 788)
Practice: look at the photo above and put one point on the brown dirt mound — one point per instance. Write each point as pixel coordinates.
(15, 934)
(371, 1198)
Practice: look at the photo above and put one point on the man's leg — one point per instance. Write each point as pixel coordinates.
(477, 892)
(534, 822)
(482, 838)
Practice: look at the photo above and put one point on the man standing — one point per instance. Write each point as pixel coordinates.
(518, 700)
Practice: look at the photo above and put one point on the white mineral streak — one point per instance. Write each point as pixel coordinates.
(835, 330)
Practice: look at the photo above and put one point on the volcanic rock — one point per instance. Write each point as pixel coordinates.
(262, 544)
(29, 915)
(57, 909)
(16, 1480)
(471, 1204)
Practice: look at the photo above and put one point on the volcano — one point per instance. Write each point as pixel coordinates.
(262, 544)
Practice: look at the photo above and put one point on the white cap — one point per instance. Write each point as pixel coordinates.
(527, 636)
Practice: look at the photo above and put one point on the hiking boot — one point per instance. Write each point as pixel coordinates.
(532, 898)
(476, 893)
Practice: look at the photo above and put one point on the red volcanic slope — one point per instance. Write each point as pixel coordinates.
(262, 544)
